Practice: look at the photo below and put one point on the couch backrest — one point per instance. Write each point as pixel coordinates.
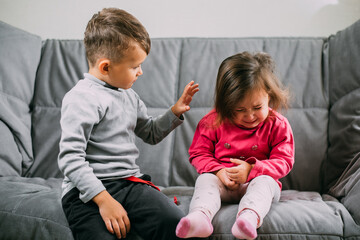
(19, 59)
(171, 64)
(61, 66)
(305, 65)
(343, 50)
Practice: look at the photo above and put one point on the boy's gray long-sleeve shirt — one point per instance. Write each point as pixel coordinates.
(99, 124)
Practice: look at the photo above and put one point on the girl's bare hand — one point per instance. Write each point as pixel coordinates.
(230, 184)
(240, 172)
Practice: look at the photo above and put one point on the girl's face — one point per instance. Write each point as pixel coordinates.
(253, 109)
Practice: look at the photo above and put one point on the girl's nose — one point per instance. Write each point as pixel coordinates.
(249, 116)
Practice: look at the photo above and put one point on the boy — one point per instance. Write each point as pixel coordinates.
(100, 116)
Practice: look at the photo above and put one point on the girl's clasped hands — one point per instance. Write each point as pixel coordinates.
(232, 177)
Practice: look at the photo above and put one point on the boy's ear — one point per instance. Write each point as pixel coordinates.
(104, 66)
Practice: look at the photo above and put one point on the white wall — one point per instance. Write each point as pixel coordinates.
(66, 19)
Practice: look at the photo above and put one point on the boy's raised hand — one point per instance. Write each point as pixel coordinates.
(182, 105)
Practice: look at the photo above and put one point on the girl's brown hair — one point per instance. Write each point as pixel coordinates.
(244, 72)
(110, 32)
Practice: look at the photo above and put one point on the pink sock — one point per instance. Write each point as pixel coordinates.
(245, 225)
(195, 224)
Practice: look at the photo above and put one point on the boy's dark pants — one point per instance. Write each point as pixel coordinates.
(152, 215)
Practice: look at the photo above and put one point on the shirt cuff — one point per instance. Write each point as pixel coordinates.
(175, 121)
(87, 196)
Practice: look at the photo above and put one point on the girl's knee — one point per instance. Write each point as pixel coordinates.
(266, 182)
(264, 179)
(206, 178)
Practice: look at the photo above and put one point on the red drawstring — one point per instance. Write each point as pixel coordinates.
(176, 200)
(135, 179)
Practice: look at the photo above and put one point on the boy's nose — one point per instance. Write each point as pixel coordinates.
(140, 72)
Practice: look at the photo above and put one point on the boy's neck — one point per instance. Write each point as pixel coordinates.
(105, 83)
(97, 74)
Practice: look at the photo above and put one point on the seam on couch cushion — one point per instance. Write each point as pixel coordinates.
(33, 217)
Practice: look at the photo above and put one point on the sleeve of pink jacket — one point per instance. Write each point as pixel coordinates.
(202, 149)
(281, 158)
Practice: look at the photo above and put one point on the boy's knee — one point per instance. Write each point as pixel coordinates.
(172, 214)
(170, 219)
(162, 226)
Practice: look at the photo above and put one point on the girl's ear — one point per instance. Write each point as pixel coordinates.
(104, 66)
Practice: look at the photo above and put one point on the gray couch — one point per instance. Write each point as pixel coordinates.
(321, 196)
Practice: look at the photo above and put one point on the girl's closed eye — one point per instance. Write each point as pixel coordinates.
(243, 110)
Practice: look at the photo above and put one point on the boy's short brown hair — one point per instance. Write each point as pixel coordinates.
(110, 32)
(244, 72)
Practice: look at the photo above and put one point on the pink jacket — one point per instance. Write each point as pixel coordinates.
(269, 146)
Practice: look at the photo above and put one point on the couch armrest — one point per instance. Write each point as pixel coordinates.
(347, 188)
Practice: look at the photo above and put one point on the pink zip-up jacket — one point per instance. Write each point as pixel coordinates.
(269, 146)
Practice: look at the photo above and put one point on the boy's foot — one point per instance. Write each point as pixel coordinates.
(195, 224)
(245, 225)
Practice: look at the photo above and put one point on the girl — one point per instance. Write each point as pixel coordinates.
(241, 148)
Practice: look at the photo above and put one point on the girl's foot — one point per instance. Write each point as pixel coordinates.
(245, 225)
(195, 224)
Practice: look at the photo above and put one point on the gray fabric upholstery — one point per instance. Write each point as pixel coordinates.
(10, 157)
(62, 64)
(323, 75)
(348, 188)
(344, 83)
(32, 209)
(20, 55)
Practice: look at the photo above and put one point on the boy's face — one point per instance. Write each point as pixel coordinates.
(124, 73)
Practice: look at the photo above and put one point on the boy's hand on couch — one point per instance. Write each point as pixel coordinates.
(113, 214)
(182, 105)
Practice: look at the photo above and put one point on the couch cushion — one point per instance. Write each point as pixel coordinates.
(347, 188)
(32, 206)
(344, 92)
(160, 74)
(299, 62)
(298, 215)
(182, 172)
(62, 64)
(157, 87)
(10, 157)
(20, 55)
